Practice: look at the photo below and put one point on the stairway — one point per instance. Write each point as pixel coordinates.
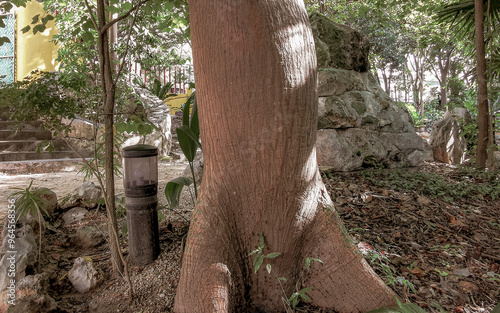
(18, 149)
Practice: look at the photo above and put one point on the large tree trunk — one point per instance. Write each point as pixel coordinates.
(255, 68)
(482, 101)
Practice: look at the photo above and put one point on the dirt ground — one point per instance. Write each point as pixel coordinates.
(433, 243)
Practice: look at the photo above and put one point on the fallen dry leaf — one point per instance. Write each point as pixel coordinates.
(366, 198)
(467, 287)
(423, 200)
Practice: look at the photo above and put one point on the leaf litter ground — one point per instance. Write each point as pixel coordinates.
(432, 233)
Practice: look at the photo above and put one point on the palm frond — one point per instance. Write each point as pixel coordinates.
(460, 15)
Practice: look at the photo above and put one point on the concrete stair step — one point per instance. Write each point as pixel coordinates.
(25, 156)
(31, 145)
(25, 135)
(10, 125)
(40, 166)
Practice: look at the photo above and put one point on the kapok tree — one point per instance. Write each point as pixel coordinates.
(255, 66)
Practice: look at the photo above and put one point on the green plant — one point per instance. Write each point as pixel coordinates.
(371, 162)
(260, 256)
(406, 308)
(441, 273)
(428, 118)
(496, 309)
(135, 124)
(295, 298)
(401, 308)
(162, 92)
(449, 249)
(300, 294)
(470, 133)
(174, 188)
(188, 135)
(121, 211)
(94, 166)
(418, 120)
(44, 96)
(434, 185)
(28, 201)
(381, 262)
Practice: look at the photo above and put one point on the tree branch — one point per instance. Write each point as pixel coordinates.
(121, 17)
(122, 62)
(91, 16)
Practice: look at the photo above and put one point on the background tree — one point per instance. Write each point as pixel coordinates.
(482, 91)
(261, 186)
(99, 64)
(470, 16)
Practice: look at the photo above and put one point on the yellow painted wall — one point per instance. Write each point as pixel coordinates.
(34, 51)
(175, 103)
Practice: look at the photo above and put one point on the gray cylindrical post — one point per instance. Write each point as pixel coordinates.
(140, 180)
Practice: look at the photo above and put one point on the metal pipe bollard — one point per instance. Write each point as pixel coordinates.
(140, 180)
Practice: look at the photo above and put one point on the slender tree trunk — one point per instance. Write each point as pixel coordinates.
(387, 80)
(421, 105)
(108, 90)
(444, 70)
(406, 89)
(377, 76)
(322, 7)
(444, 94)
(415, 83)
(482, 102)
(386, 83)
(260, 174)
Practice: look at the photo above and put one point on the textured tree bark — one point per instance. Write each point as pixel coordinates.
(255, 68)
(482, 94)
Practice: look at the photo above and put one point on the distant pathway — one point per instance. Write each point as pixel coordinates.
(63, 183)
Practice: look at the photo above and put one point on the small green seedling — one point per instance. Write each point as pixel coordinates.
(260, 256)
(301, 294)
(308, 262)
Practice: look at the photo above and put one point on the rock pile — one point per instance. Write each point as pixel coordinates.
(20, 277)
(359, 125)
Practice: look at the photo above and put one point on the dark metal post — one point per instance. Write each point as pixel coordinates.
(140, 180)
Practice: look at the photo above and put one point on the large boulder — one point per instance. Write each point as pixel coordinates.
(447, 143)
(14, 260)
(74, 215)
(144, 104)
(339, 46)
(87, 195)
(334, 113)
(359, 125)
(354, 148)
(87, 237)
(32, 296)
